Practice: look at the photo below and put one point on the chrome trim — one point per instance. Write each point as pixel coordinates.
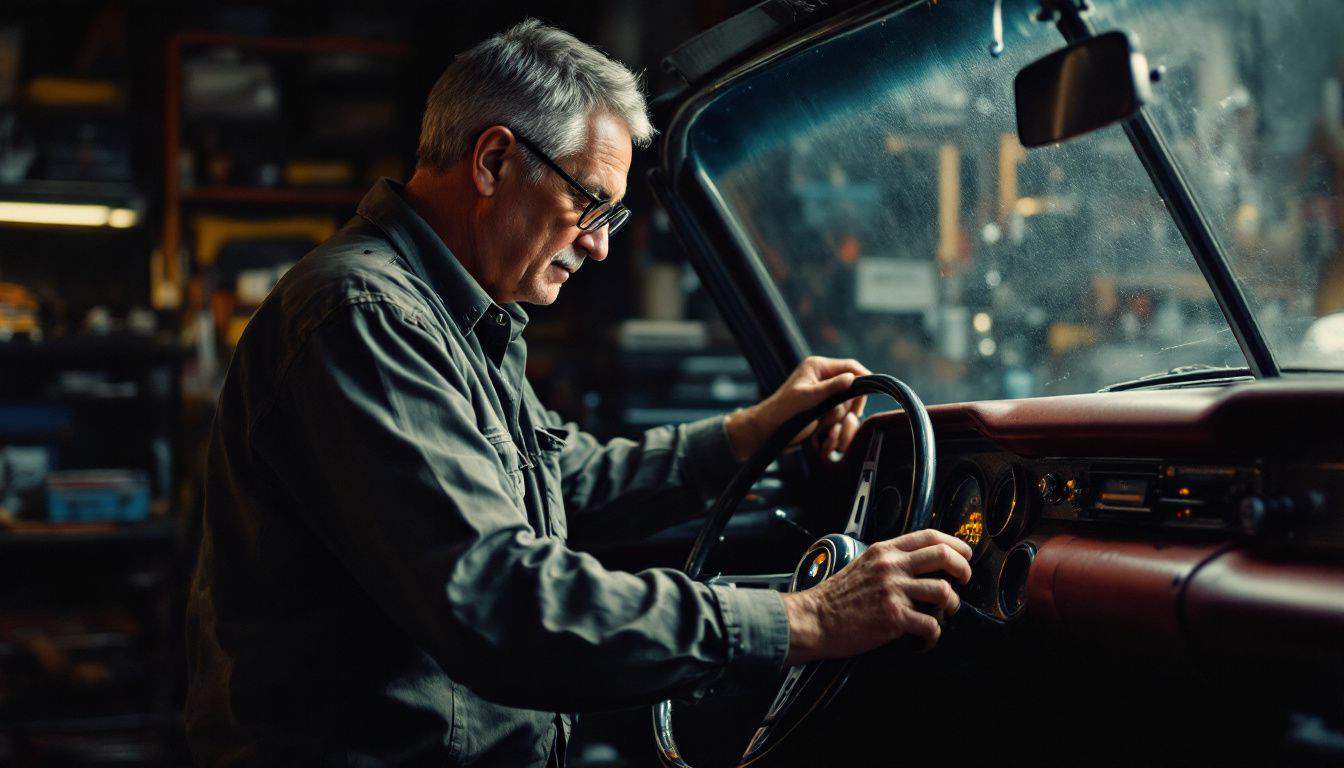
(668, 754)
(776, 581)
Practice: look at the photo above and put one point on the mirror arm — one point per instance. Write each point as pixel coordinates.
(1068, 18)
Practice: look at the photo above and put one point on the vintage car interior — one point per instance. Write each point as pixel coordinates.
(1095, 239)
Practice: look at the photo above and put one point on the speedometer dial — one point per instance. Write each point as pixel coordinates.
(963, 513)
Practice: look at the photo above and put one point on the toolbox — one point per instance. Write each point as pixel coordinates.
(97, 496)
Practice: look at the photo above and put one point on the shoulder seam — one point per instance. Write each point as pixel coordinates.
(362, 299)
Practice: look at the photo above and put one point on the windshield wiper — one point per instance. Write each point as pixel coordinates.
(1186, 375)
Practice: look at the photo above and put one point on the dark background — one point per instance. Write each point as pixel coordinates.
(107, 365)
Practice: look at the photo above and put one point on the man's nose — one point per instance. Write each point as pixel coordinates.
(595, 243)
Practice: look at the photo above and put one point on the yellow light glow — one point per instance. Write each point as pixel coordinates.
(1183, 492)
(982, 322)
(971, 530)
(55, 213)
(1028, 206)
(121, 218)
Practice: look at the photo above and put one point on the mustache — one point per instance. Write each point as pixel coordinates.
(570, 258)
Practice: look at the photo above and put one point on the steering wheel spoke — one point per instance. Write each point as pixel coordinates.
(863, 495)
(776, 581)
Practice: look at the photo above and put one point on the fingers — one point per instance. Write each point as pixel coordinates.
(928, 537)
(826, 367)
(940, 558)
(813, 382)
(923, 626)
(848, 429)
(857, 405)
(831, 386)
(831, 440)
(934, 592)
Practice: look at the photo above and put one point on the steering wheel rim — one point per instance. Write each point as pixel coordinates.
(919, 513)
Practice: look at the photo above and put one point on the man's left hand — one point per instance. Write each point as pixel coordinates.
(814, 380)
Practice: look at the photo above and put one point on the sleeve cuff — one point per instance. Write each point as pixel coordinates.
(709, 455)
(756, 625)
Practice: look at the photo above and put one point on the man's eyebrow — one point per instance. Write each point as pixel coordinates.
(596, 187)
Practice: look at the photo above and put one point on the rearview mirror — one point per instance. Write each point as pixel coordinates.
(1078, 89)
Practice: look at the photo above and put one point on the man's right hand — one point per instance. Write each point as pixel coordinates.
(877, 598)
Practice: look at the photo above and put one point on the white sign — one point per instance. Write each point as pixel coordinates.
(895, 285)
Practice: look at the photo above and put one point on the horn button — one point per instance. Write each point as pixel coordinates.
(824, 559)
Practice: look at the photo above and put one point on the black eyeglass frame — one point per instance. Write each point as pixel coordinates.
(615, 217)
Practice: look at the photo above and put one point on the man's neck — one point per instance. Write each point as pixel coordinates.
(437, 197)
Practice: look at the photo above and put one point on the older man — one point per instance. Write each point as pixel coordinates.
(384, 577)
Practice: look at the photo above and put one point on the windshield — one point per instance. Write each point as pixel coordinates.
(879, 179)
(1250, 104)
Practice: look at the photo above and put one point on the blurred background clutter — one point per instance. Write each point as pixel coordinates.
(161, 165)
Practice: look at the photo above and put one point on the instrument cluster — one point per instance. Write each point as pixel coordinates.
(984, 501)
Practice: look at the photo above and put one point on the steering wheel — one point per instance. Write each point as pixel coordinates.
(807, 688)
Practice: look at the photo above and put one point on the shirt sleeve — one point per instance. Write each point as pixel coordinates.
(376, 441)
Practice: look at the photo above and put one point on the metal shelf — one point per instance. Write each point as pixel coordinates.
(90, 351)
(47, 536)
(273, 195)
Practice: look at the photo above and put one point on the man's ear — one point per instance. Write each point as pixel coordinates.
(490, 160)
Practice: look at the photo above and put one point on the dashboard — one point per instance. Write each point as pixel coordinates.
(1004, 506)
(1141, 516)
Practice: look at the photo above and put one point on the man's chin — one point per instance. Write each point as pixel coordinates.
(543, 295)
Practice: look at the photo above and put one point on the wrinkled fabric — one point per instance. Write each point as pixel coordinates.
(384, 576)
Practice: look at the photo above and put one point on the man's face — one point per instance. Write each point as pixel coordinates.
(538, 244)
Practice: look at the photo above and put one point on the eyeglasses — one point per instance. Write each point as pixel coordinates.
(599, 212)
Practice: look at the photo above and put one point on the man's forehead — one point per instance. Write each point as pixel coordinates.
(605, 162)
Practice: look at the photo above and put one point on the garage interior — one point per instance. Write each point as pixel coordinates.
(235, 136)
(162, 164)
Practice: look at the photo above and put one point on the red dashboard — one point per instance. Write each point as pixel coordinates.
(1247, 564)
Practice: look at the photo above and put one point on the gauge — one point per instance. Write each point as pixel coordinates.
(1013, 580)
(963, 514)
(1006, 516)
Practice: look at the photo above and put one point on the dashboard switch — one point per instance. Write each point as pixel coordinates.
(1051, 488)
(1074, 491)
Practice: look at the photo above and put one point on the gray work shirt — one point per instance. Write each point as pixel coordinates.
(383, 577)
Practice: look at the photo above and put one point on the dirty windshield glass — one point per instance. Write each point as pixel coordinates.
(880, 180)
(1252, 106)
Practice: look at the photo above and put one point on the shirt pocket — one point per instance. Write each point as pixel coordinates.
(550, 442)
(511, 460)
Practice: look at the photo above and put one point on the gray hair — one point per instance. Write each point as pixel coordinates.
(536, 79)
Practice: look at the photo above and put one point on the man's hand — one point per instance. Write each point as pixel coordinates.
(873, 600)
(814, 380)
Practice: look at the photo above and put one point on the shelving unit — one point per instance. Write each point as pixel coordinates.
(177, 197)
(87, 609)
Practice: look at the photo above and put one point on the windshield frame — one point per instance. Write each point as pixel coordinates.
(723, 247)
(1184, 208)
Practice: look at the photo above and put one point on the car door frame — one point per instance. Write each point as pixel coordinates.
(721, 253)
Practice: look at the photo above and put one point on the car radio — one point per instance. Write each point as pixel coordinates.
(1180, 495)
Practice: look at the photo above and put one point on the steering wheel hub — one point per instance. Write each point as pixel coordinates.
(827, 557)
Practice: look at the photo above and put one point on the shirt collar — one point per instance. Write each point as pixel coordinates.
(386, 207)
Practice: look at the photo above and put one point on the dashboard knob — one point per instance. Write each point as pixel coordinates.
(1253, 513)
(1050, 487)
(1074, 490)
